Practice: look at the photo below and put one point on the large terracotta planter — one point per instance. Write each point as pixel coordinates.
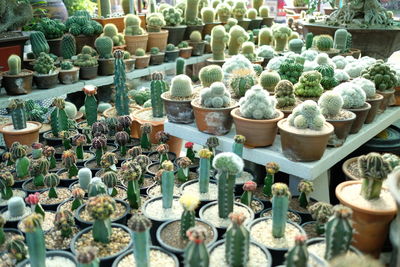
(388, 99)
(375, 104)
(370, 226)
(175, 34)
(397, 96)
(18, 84)
(133, 42)
(341, 130)
(119, 22)
(361, 115)
(26, 136)
(258, 133)
(217, 121)
(157, 39)
(178, 111)
(303, 145)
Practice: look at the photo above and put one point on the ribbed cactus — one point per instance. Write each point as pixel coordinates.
(265, 37)
(305, 188)
(271, 168)
(248, 189)
(64, 222)
(99, 143)
(16, 247)
(69, 159)
(237, 146)
(180, 66)
(167, 184)
(109, 161)
(269, 79)
(110, 179)
(284, 94)
(132, 25)
(39, 43)
(122, 139)
(14, 65)
(6, 183)
(340, 40)
(215, 96)
(100, 208)
(191, 13)
(237, 241)
(210, 74)
(172, 16)
(298, 255)
(228, 166)
(77, 195)
(181, 86)
(374, 170)
(196, 253)
(96, 187)
(321, 212)
(324, 42)
(121, 96)
(241, 81)
(157, 87)
(51, 180)
(131, 172)
(87, 257)
(219, 39)
(140, 226)
(338, 232)
(204, 171)
(183, 169)
(16, 207)
(79, 140)
(104, 46)
(237, 36)
(44, 64)
(58, 117)
(68, 46)
(90, 103)
(18, 113)
(38, 169)
(309, 40)
(189, 204)
(22, 163)
(207, 15)
(145, 130)
(280, 204)
(296, 45)
(34, 237)
(105, 8)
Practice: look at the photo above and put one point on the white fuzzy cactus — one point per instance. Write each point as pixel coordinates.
(215, 96)
(307, 115)
(367, 85)
(257, 104)
(341, 75)
(352, 94)
(330, 103)
(340, 62)
(309, 55)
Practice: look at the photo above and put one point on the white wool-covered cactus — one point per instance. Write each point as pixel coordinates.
(310, 65)
(339, 61)
(265, 51)
(352, 94)
(275, 63)
(323, 58)
(367, 85)
(236, 62)
(257, 104)
(354, 69)
(341, 75)
(330, 103)
(215, 96)
(307, 115)
(309, 55)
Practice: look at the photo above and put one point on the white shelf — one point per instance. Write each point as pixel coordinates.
(305, 170)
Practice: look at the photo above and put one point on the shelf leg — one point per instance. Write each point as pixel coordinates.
(321, 186)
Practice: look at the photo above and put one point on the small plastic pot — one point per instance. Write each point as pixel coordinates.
(106, 66)
(53, 253)
(31, 191)
(52, 207)
(123, 255)
(55, 141)
(305, 216)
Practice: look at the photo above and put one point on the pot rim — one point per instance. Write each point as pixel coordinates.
(163, 96)
(363, 108)
(387, 92)
(344, 120)
(88, 67)
(182, 187)
(141, 121)
(338, 192)
(289, 210)
(378, 98)
(20, 132)
(196, 106)
(161, 32)
(240, 118)
(315, 133)
(123, 255)
(38, 75)
(136, 36)
(20, 75)
(174, 27)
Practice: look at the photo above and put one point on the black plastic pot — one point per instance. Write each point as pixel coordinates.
(255, 24)
(66, 182)
(106, 66)
(53, 253)
(175, 34)
(270, 208)
(93, 169)
(143, 190)
(105, 261)
(278, 254)
(123, 255)
(31, 191)
(55, 141)
(59, 205)
(171, 56)
(113, 149)
(157, 59)
(305, 216)
(190, 29)
(12, 224)
(256, 215)
(52, 207)
(171, 156)
(198, 48)
(156, 163)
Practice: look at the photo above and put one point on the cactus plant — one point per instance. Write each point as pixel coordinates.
(68, 46)
(196, 253)
(269, 79)
(281, 36)
(2, 234)
(109, 161)
(14, 65)
(183, 169)
(79, 140)
(324, 42)
(320, 212)
(86, 58)
(305, 188)
(248, 51)
(16, 248)
(271, 168)
(309, 40)
(298, 255)
(237, 146)
(237, 36)
(328, 80)
(96, 187)
(338, 232)
(132, 25)
(189, 204)
(44, 64)
(38, 169)
(111, 31)
(49, 152)
(32, 227)
(157, 87)
(140, 226)
(33, 201)
(195, 36)
(58, 117)
(154, 22)
(77, 194)
(104, 46)
(132, 172)
(122, 138)
(18, 113)
(309, 85)
(22, 163)
(241, 81)
(121, 97)
(216, 96)
(99, 143)
(228, 166)
(180, 66)
(191, 13)
(64, 222)
(110, 179)
(51, 180)
(381, 74)
(162, 151)
(265, 37)
(340, 40)
(239, 10)
(248, 189)
(280, 204)
(284, 94)
(84, 177)
(172, 16)
(223, 12)
(69, 162)
(211, 74)
(307, 115)
(87, 257)
(145, 130)
(208, 15)
(6, 183)
(204, 171)
(100, 208)
(263, 11)
(257, 104)
(352, 94)
(167, 184)
(16, 207)
(190, 153)
(219, 39)
(296, 45)
(237, 241)
(330, 103)
(39, 43)
(181, 86)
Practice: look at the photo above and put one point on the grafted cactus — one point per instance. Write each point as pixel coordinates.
(237, 146)
(196, 253)
(38, 169)
(298, 255)
(87, 257)
(189, 204)
(64, 222)
(204, 172)
(248, 189)
(6, 183)
(140, 226)
(305, 188)
(69, 162)
(131, 173)
(58, 118)
(18, 113)
(321, 212)
(90, 103)
(32, 227)
(100, 208)
(237, 241)
(280, 204)
(271, 169)
(183, 169)
(145, 130)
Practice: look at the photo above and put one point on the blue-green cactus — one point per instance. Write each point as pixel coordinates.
(167, 184)
(196, 253)
(298, 255)
(121, 96)
(140, 226)
(237, 241)
(32, 227)
(204, 171)
(280, 204)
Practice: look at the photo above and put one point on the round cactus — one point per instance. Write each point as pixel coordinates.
(257, 104)
(309, 85)
(237, 36)
(241, 81)
(104, 46)
(251, 13)
(195, 36)
(264, 11)
(239, 10)
(248, 51)
(207, 15)
(181, 86)
(330, 103)
(210, 74)
(352, 94)
(296, 45)
(154, 22)
(223, 12)
(216, 96)
(324, 42)
(284, 94)
(269, 79)
(307, 115)
(140, 52)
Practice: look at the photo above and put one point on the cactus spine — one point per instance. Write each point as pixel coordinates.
(101, 208)
(280, 204)
(189, 204)
(14, 65)
(18, 113)
(271, 169)
(68, 46)
(131, 172)
(237, 241)
(140, 226)
(204, 172)
(298, 255)
(338, 232)
(167, 184)
(237, 146)
(84, 176)
(157, 87)
(196, 253)
(32, 226)
(121, 97)
(90, 103)
(58, 118)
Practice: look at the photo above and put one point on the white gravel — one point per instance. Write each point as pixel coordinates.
(155, 211)
(155, 191)
(58, 261)
(193, 189)
(211, 215)
(157, 259)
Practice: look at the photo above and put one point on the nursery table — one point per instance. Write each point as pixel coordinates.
(318, 171)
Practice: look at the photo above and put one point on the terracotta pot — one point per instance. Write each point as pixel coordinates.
(88, 73)
(216, 121)
(142, 62)
(267, 21)
(361, 115)
(192, 28)
(208, 28)
(157, 39)
(171, 56)
(133, 42)
(370, 226)
(341, 130)
(119, 22)
(346, 166)
(375, 104)
(157, 59)
(303, 145)
(211, 61)
(387, 99)
(119, 47)
(18, 84)
(106, 66)
(55, 46)
(185, 52)
(69, 76)
(175, 34)
(130, 64)
(397, 96)
(198, 48)
(244, 23)
(25, 136)
(82, 40)
(258, 133)
(178, 111)
(45, 81)
(255, 24)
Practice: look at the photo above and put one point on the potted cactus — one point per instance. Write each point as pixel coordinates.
(239, 12)
(192, 18)
(370, 202)
(111, 31)
(142, 59)
(46, 73)
(20, 130)
(284, 95)
(104, 47)
(237, 36)
(208, 15)
(248, 50)
(129, 62)
(320, 212)
(135, 36)
(87, 63)
(156, 57)
(223, 12)
(269, 79)
(64, 229)
(171, 53)
(267, 20)
(305, 128)
(16, 210)
(177, 100)
(157, 36)
(195, 41)
(308, 86)
(257, 121)
(185, 51)
(15, 80)
(219, 39)
(68, 73)
(173, 19)
(53, 30)
(255, 20)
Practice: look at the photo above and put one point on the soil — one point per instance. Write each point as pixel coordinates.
(171, 234)
(62, 193)
(294, 204)
(118, 213)
(31, 186)
(12, 170)
(291, 216)
(68, 205)
(256, 206)
(119, 241)
(309, 228)
(147, 182)
(29, 126)
(153, 148)
(192, 176)
(157, 258)
(7, 217)
(54, 240)
(354, 170)
(92, 165)
(59, 166)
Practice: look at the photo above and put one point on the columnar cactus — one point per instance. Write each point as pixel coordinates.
(181, 86)
(58, 117)
(298, 255)
(271, 169)
(34, 237)
(281, 36)
(131, 172)
(219, 39)
(18, 113)
(99, 143)
(265, 37)
(211, 74)
(338, 232)
(340, 40)
(215, 96)
(280, 204)
(100, 208)
(307, 115)
(237, 36)
(180, 66)
(248, 189)
(38, 169)
(105, 8)
(196, 253)
(140, 226)
(237, 241)
(191, 13)
(228, 166)
(183, 169)
(87, 257)
(121, 96)
(77, 194)
(14, 65)
(330, 103)
(305, 188)
(237, 146)
(64, 222)
(157, 87)
(51, 180)
(321, 212)
(374, 170)
(6, 183)
(207, 15)
(189, 204)
(90, 103)
(204, 171)
(122, 138)
(69, 162)
(309, 40)
(257, 104)
(167, 184)
(110, 179)
(145, 130)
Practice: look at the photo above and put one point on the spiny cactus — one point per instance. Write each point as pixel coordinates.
(280, 204)
(210, 74)
(223, 12)
(237, 36)
(111, 31)
(38, 169)
(281, 36)
(228, 166)
(196, 253)
(309, 84)
(189, 204)
(324, 42)
(180, 66)
(100, 208)
(241, 81)
(183, 169)
(257, 104)
(157, 87)
(51, 180)
(172, 16)
(307, 115)
(99, 143)
(122, 138)
(330, 103)
(352, 94)
(109, 161)
(18, 113)
(140, 226)
(69, 162)
(104, 46)
(338, 232)
(284, 94)
(39, 43)
(237, 146)
(181, 86)
(84, 177)
(239, 10)
(340, 39)
(132, 25)
(216, 96)
(309, 40)
(248, 51)
(22, 163)
(145, 130)
(265, 37)
(64, 222)
(298, 255)
(321, 212)
(248, 189)
(16, 206)
(190, 153)
(219, 39)
(44, 64)
(237, 241)
(195, 36)
(204, 171)
(131, 172)
(16, 248)
(296, 45)
(34, 237)
(90, 103)
(191, 13)
(251, 13)
(121, 96)
(271, 169)
(305, 188)
(14, 65)
(6, 183)
(58, 117)
(154, 22)
(269, 79)
(208, 15)
(87, 257)
(110, 179)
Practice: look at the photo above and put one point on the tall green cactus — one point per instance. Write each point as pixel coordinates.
(105, 8)
(196, 253)
(237, 146)
(204, 172)
(338, 232)
(100, 208)
(280, 204)
(145, 130)
(14, 65)
(157, 87)
(189, 203)
(309, 40)
(191, 13)
(340, 40)
(219, 39)
(58, 117)
(32, 226)
(18, 113)
(271, 169)
(237, 241)
(39, 43)
(167, 184)
(90, 103)
(68, 46)
(298, 255)
(121, 96)
(180, 66)
(140, 226)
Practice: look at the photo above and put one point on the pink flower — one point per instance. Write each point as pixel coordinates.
(249, 186)
(189, 145)
(37, 145)
(32, 199)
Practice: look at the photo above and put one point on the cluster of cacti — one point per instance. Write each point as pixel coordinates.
(111, 31)
(284, 94)
(298, 255)
(291, 70)
(330, 103)
(268, 79)
(140, 227)
(191, 13)
(271, 168)
(309, 84)
(189, 204)
(86, 58)
(155, 22)
(228, 165)
(51, 28)
(82, 24)
(172, 16)
(132, 25)
(257, 104)
(219, 39)
(39, 43)
(382, 75)
(241, 81)
(125, 122)
(6, 183)
(324, 42)
(196, 253)
(304, 188)
(296, 45)
(237, 241)
(239, 10)
(223, 11)
(237, 36)
(167, 184)
(183, 44)
(104, 46)
(320, 212)
(215, 96)
(181, 86)
(280, 204)
(44, 64)
(352, 94)
(307, 115)
(281, 36)
(34, 237)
